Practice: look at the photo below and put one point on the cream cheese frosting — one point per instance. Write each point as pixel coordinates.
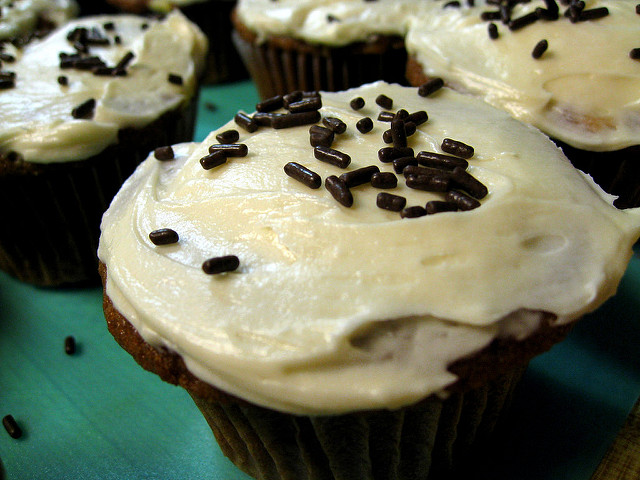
(329, 22)
(18, 17)
(335, 309)
(37, 112)
(584, 90)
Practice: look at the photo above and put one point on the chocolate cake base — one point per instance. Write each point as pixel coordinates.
(280, 65)
(51, 212)
(616, 172)
(434, 438)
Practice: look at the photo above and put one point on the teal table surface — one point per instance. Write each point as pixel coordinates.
(98, 415)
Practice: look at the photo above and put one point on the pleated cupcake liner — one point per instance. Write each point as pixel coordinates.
(280, 66)
(51, 212)
(426, 441)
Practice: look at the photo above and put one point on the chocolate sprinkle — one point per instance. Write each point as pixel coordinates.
(388, 201)
(246, 122)
(228, 136)
(11, 426)
(359, 176)
(384, 180)
(417, 118)
(70, 345)
(230, 149)
(438, 206)
(339, 190)
(429, 183)
(335, 124)
(413, 212)
(164, 153)
(364, 125)
(295, 119)
(215, 265)
(303, 175)
(461, 200)
(398, 134)
(306, 105)
(164, 236)
(389, 154)
(270, 104)
(320, 136)
(492, 28)
(399, 164)
(63, 80)
(635, 54)
(469, 183)
(357, 103)
(384, 101)
(459, 149)
(84, 110)
(213, 160)
(439, 160)
(385, 116)
(540, 48)
(175, 79)
(334, 157)
(430, 86)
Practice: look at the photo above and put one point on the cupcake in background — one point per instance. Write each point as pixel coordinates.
(350, 284)
(214, 19)
(322, 45)
(81, 108)
(22, 20)
(571, 69)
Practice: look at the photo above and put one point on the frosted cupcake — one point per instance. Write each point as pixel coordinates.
(570, 70)
(22, 19)
(349, 285)
(322, 45)
(81, 108)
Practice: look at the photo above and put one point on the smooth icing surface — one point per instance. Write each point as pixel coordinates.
(584, 90)
(329, 22)
(21, 16)
(37, 120)
(336, 309)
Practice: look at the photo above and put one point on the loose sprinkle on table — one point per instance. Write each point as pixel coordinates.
(164, 236)
(11, 426)
(70, 345)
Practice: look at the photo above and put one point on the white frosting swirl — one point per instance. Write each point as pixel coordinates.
(336, 309)
(585, 90)
(37, 120)
(18, 17)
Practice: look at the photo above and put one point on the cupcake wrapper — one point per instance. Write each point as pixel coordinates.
(51, 213)
(280, 67)
(422, 441)
(223, 64)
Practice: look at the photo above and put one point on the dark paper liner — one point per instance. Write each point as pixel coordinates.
(223, 63)
(616, 172)
(51, 213)
(282, 65)
(427, 440)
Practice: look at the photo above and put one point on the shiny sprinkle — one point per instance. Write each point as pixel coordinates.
(438, 206)
(164, 153)
(246, 122)
(440, 160)
(413, 212)
(461, 200)
(430, 87)
(213, 160)
(164, 236)
(295, 119)
(357, 103)
(334, 157)
(230, 149)
(215, 265)
(339, 190)
(388, 201)
(228, 136)
(457, 148)
(540, 48)
(384, 101)
(303, 175)
(270, 104)
(364, 125)
(335, 124)
(359, 176)
(384, 180)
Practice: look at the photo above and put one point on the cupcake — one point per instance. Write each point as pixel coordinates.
(350, 290)
(569, 69)
(214, 19)
(81, 108)
(322, 45)
(20, 20)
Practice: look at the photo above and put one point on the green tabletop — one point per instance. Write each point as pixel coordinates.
(97, 415)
